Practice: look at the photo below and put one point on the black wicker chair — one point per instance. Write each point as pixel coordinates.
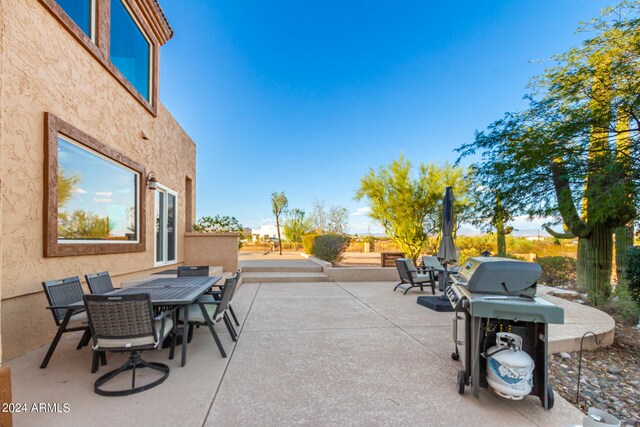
(126, 324)
(99, 283)
(211, 308)
(410, 278)
(60, 294)
(203, 271)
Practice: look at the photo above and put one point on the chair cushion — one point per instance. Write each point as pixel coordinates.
(138, 341)
(78, 320)
(421, 278)
(195, 313)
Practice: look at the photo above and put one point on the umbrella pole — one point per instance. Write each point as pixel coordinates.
(446, 282)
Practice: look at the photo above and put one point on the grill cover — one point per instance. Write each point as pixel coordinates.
(501, 276)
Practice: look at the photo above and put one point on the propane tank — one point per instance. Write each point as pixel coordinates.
(509, 369)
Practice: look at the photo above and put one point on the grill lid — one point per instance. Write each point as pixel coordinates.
(504, 276)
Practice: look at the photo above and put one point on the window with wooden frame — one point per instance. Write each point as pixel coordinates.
(94, 200)
(122, 38)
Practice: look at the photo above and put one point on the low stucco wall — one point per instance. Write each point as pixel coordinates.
(355, 274)
(212, 249)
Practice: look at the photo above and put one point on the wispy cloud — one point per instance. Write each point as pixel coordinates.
(102, 199)
(361, 211)
(79, 191)
(104, 193)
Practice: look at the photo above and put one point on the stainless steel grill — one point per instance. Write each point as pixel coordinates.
(498, 295)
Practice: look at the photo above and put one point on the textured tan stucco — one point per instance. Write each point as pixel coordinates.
(46, 70)
(212, 249)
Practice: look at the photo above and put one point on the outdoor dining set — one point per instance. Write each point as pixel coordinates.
(147, 316)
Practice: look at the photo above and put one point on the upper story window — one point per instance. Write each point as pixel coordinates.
(130, 49)
(81, 12)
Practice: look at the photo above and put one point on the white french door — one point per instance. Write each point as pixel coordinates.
(166, 223)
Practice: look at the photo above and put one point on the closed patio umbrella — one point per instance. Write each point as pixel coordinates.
(447, 251)
(446, 256)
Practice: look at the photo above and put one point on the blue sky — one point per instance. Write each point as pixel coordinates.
(305, 97)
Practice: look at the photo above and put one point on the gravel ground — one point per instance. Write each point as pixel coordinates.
(610, 377)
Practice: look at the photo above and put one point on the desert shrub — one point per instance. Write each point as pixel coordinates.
(633, 272)
(623, 307)
(520, 245)
(308, 242)
(327, 247)
(557, 270)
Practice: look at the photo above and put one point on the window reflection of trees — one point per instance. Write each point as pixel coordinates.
(78, 224)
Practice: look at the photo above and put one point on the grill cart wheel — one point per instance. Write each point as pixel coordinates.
(461, 381)
(455, 356)
(550, 396)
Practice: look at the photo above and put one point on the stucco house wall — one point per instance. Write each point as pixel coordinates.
(47, 70)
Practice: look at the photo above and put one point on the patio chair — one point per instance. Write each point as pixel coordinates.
(410, 278)
(195, 271)
(126, 324)
(60, 293)
(430, 263)
(99, 283)
(203, 271)
(208, 311)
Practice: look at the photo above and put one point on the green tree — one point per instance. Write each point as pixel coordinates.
(66, 185)
(83, 225)
(297, 225)
(408, 207)
(563, 156)
(279, 205)
(219, 224)
(491, 215)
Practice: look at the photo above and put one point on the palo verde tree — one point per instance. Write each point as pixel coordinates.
(571, 153)
(279, 205)
(409, 207)
(297, 225)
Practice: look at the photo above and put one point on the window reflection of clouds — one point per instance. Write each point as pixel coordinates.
(103, 189)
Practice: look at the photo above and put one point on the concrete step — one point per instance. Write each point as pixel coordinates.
(283, 269)
(282, 277)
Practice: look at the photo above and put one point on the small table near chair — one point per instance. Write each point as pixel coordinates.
(179, 291)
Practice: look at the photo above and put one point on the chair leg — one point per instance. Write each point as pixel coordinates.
(94, 363)
(103, 358)
(217, 340)
(56, 339)
(407, 290)
(232, 331)
(190, 335)
(213, 331)
(174, 338)
(235, 319)
(86, 336)
(394, 289)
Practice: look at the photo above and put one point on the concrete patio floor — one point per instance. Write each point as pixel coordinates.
(308, 354)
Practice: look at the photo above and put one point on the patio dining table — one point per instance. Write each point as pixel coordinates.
(178, 291)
